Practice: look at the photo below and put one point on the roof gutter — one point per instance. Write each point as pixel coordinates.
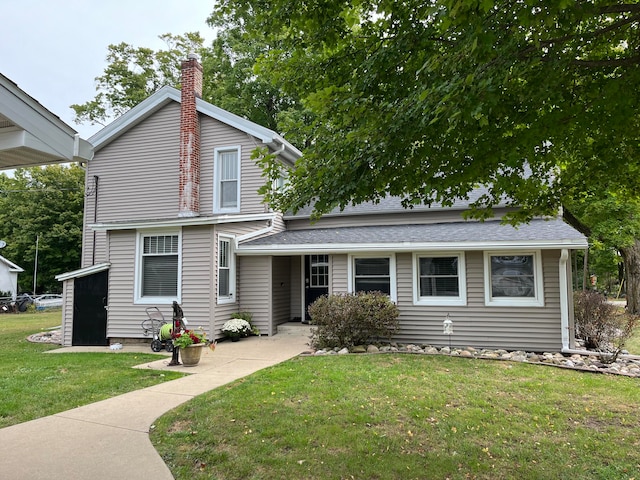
(334, 248)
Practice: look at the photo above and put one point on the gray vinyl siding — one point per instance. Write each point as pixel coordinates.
(198, 277)
(281, 289)
(124, 318)
(215, 134)
(67, 311)
(254, 290)
(139, 171)
(295, 292)
(477, 325)
(223, 311)
(138, 178)
(339, 281)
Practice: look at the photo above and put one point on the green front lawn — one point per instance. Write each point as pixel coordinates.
(34, 384)
(407, 417)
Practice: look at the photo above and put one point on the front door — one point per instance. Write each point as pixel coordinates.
(316, 280)
(89, 312)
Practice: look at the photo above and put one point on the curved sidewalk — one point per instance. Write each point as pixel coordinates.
(110, 439)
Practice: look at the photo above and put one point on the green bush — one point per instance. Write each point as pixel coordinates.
(345, 320)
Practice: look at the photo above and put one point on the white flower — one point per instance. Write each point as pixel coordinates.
(236, 325)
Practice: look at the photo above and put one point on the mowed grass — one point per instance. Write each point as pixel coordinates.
(633, 344)
(407, 417)
(34, 384)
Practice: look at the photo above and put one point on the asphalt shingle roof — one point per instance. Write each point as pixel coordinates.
(537, 231)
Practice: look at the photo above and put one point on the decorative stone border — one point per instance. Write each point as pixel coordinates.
(627, 365)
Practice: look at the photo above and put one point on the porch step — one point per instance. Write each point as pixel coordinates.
(294, 328)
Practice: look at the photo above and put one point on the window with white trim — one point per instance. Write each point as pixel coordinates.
(373, 273)
(514, 279)
(158, 267)
(226, 270)
(227, 180)
(440, 279)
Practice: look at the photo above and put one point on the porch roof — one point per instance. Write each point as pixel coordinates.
(538, 234)
(31, 135)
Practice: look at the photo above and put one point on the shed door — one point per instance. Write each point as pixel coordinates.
(89, 312)
(316, 279)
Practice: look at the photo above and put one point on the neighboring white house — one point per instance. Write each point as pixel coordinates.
(9, 277)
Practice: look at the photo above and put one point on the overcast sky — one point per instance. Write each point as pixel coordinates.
(54, 49)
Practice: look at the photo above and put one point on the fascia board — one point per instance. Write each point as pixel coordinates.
(31, 116)
(407, 247)
(265, 135)
(166, 94)
(12, 266)
(181, 222)
(83, 272)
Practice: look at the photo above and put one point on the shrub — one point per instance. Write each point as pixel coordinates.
(345, 320)
(599, 326)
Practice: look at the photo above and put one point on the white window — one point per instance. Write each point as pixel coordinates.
(319, 271)
(373, 273)
(514, 279)
(226, 270)
(440, 279)
(227, 180)
(158, 267)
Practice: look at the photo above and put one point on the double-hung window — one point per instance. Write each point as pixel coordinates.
(514, 279)
(227, 180)
(226, 270)
(373, 273)
(158, 267)
(440, 279)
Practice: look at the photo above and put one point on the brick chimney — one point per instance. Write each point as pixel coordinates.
(189, 176)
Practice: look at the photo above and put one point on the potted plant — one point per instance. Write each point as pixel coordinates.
(190, 343)
(248, 316)
(236, 328)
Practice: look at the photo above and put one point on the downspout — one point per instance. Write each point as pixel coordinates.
(564, 299)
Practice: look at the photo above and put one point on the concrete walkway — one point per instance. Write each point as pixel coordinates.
(109, 439)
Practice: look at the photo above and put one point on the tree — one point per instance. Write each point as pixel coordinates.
(427, 100)
(43, 206)
(134, 73)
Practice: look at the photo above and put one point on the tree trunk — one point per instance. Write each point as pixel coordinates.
(631, 259)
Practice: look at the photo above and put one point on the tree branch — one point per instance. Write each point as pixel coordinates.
(572, 220)
(617, 62)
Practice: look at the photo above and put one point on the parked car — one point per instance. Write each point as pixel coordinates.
(48, 300)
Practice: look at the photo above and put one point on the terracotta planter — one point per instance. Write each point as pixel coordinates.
(191, 355)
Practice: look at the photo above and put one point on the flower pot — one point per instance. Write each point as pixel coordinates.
(191, 355)
(234, 338)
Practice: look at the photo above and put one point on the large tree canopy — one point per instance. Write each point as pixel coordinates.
(134, 73)
(428, 99)
(41, 208)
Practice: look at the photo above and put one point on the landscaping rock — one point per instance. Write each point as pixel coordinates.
(588, 361)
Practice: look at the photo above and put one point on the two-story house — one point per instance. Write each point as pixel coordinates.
(173, 213)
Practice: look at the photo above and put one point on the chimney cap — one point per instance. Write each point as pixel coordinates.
(193, 56)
